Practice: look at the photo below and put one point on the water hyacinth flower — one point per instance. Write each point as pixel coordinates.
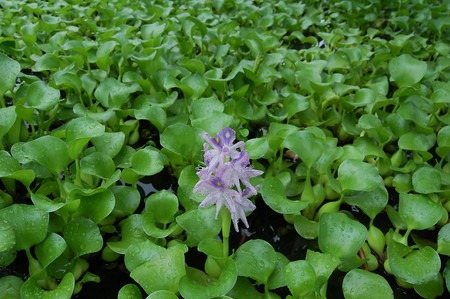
(224, 179)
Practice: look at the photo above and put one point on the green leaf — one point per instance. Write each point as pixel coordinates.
(443, 240)
(324, 265)
(256, 259)
(161, 294)
(50, 249)
(295, 103)
(340, 236)
(178, 138)
(405, 70)
(10, 168)
(162, 205)
(426, 180)
(39, 150)
(132, 291)
(418, 211)
(9, 69)
(131, 233)
(7, 119)
(79, 132)
(358, 176)
(360, 284)
(7, 237)
(97, 164)
(272, 192)
(109, 143)
(193, 85)
(112, 93)
(162, 272)
(300, 278)
(154, 114)
(41, 96)
(30, 224)
(83, 236)
(306, 145)
(306, 228)
(414, 141)
(31, 289)
(197, 285)
(257, 147)
(159, 211)
(371, 202)
(199, 224)
(413, 266)
(10, 286)
(96, 205)
(144, 162)
(432, 288)
(127, 200)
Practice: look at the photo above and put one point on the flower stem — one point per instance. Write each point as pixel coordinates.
(226, 224)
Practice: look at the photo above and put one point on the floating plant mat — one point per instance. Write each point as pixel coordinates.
(224, 149)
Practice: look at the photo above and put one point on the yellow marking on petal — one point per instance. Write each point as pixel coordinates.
(216, 139)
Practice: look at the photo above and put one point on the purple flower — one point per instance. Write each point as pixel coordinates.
(225, 178)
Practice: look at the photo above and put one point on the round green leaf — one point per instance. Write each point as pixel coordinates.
(79, 132)
(83, 236)
(443, 137)
(7, 236)
(405, 70)
(140, 252)
(358, 176)
(147, 162)
(306, 145)
(9, 69)
(132, 291)
(340, 236)
(112, 93)
(413, 266)
(272, 191)
(199, 224)
(154, 114)
(7, 117)
(96, 205)
(42, 148)
(41, 96)
(131, 233)
(97, 164)
(162, 272)
(197, 285)
(433, 288)
(10, 286)
(371, 202)
(50, 249)
(109, 143)
(306, 228)
(418, 211)
(178, 138)
(162, 205)
(257, 147)
(30, 224)
(361, 284)
(426, 180)
(127, 200)
(300, 278)
(161, 294)
(324, 265)
(443, 241)
(31, 289)
(256, 259)
(414, 141)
